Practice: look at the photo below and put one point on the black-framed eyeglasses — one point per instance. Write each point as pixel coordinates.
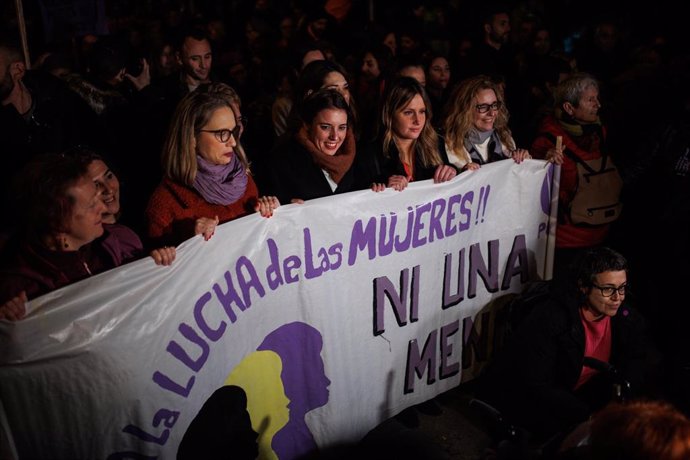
(223, 135)
(607, 291)
(483, 108)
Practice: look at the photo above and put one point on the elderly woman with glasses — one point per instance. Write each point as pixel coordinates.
(206, 174)
(476, 125)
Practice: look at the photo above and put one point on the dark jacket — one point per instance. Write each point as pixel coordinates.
(292, 173)
(373, 165)
(36, 270)
(173, 209)
(58, 120)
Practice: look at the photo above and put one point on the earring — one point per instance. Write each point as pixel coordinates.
(65, 244)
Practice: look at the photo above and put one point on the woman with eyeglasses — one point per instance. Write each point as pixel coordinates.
(206, 176)
(584, 147)
(406, 147)
(578, 344)
(476, 125)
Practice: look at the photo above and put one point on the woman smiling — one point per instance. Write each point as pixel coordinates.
(63, 237)
(316, 159)
(476, 126)
(109, 186)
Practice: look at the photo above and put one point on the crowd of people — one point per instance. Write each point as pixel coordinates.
(207, 117)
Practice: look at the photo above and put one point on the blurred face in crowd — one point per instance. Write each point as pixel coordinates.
(587, 110)
(370, 67)
(414, 71)
(541, 42)
(464, 47)
(166, 60)
(238, 73)
(439, 73)
(215, 143)
(336, 80)
(408, 44)
(216, 30)
(287, 27)
(328, 130)
(600, 305)
(86, 222)
(251, 34)
(606, 37)
(485, 121)
(391, 42)
(196, 59)
(107, 183)
(318, 27)
(409, 121)
(499, 30)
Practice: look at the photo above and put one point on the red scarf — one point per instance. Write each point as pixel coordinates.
(335, 165)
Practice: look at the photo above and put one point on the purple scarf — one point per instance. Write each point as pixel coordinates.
(220, 184)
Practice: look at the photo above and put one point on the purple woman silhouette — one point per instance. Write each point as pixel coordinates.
(305, 382)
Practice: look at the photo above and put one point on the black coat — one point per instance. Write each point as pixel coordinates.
(375, 166)
(293, 174)
(58, 120)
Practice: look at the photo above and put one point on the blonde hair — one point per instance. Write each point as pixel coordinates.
(459, 119)
(398, 95)
(192, 113)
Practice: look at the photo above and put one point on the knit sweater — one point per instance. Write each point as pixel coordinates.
(174, 208)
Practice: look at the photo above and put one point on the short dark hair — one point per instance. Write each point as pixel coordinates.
(42, 191)
(402, 62)
(313, 74)
(593, 261)
(309, 81)
(492, 9)
(323, 99)
(193, 31)
(383, 55)
(108, 58)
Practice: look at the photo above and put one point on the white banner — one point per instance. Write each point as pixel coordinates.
(333, 316)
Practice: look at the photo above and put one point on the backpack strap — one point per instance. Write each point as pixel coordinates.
(570, 154)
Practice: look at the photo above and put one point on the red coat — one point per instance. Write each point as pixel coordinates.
(174, 208)
(567, 234)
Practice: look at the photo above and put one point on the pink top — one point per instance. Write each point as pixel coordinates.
(597, 344)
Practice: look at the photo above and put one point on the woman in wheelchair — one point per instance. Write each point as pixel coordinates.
(580, 344)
